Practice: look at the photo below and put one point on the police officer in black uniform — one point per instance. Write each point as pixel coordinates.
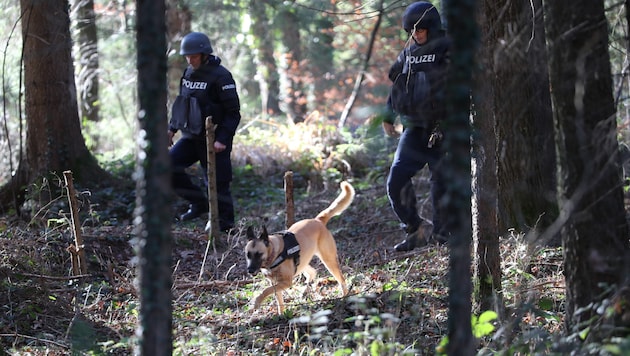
(420, 141)
(206, 89)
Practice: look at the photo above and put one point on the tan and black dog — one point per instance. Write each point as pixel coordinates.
(282, 256)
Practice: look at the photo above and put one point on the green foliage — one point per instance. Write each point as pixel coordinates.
(122, 167)
(394, 284)
(440, 349)
(482, 325)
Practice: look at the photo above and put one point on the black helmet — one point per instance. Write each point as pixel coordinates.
(421, 14)
(195, 42)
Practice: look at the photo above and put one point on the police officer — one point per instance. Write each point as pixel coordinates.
(420, 141)
(206, 89)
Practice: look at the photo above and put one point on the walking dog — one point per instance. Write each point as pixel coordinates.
(284, 255)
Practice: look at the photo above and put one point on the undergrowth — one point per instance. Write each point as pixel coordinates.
(398, 302)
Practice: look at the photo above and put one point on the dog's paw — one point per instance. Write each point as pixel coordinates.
(254, 304)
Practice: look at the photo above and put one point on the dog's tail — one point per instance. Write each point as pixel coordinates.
(338, 205)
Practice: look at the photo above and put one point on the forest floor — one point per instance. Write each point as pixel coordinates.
(398, 302)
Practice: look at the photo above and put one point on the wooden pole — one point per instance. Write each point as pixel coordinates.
(77, 250)
(213, 215)
(288, 198)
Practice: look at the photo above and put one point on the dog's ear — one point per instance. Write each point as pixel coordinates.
(264, 236)
(250, 233)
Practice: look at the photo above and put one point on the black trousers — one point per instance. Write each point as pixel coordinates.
(186, 152)
(411, 156)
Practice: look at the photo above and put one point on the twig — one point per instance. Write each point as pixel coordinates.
(54, 278)
(205, 257)
(212, 284)
(36, 338)
(553, 283)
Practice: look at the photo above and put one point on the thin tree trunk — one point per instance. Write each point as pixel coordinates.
(87, 43)
(267, 68)
(461, 18)
(485, 221)
(178, 25)
(294, 92)
(361, 75)
(321, 56)
(153, 191)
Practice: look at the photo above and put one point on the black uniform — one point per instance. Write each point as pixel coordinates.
(207, 91)
(414, 151)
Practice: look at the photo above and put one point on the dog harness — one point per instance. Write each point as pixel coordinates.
(291, 250)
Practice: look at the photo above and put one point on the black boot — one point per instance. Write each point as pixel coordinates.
(194, 211)
(438, 239)
(412, 241)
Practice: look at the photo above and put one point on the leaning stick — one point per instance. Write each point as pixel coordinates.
(77, 251)
(213, 217)
(288, 199)
(212, 227)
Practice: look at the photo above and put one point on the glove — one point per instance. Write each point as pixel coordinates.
(436, 137)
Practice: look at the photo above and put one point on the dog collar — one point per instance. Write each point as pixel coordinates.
(291, 250)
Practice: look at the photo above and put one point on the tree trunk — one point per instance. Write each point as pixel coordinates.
(54, 142)
(321, 51)
(294, 93)
(267, 68)
(178, 25)
(594, 231)
(525, 152)
(485, 215)
(461, 18)
(87, 45)
(153, 190)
